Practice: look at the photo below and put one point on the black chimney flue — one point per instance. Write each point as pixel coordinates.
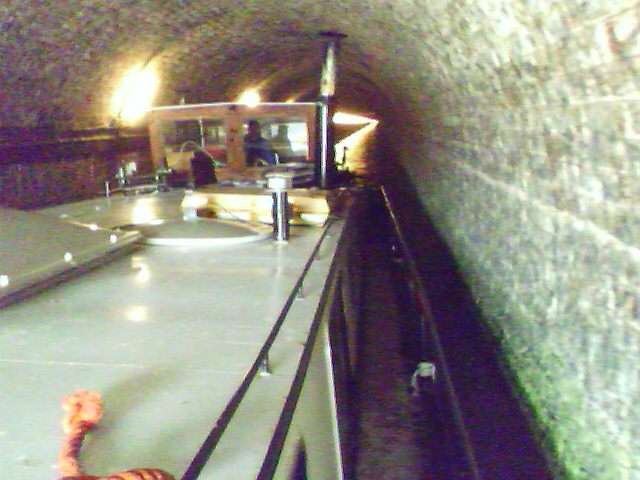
(326, 170)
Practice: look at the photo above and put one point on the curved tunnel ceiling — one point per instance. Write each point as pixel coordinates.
(518, 123)
(60, 64)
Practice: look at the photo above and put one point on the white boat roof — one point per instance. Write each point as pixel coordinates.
(35, 248)
(166, 334)
(231, 104)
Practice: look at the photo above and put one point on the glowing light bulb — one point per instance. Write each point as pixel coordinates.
(250, 98)
(135, 94)
(343, 118)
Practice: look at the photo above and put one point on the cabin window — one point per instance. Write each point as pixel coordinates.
(183, 138)
(215, 140)
(182, 132)
(285, 139)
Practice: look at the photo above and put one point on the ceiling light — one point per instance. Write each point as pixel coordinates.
(134, 96)
(342, 118)
(250, 98)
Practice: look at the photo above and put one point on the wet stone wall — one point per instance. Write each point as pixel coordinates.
(533, 177)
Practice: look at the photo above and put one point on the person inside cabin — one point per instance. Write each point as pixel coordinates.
(257, 150)
(282, 143)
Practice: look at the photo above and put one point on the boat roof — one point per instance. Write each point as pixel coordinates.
(166, 334)
(232, 104)
(36, 248)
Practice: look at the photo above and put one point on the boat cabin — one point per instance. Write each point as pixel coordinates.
(227, 152)
(234, 144)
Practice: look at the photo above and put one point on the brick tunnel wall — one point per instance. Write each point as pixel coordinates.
(534, 179)
(516, 120)
(39, 175)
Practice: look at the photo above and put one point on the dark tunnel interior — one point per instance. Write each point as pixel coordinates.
(509, 127)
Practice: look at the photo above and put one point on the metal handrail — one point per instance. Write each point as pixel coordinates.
(208, 446)
(429, 329)
(279, 437)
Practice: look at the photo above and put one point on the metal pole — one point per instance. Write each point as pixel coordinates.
(326, 154)
(323, 144)
(280, 216)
